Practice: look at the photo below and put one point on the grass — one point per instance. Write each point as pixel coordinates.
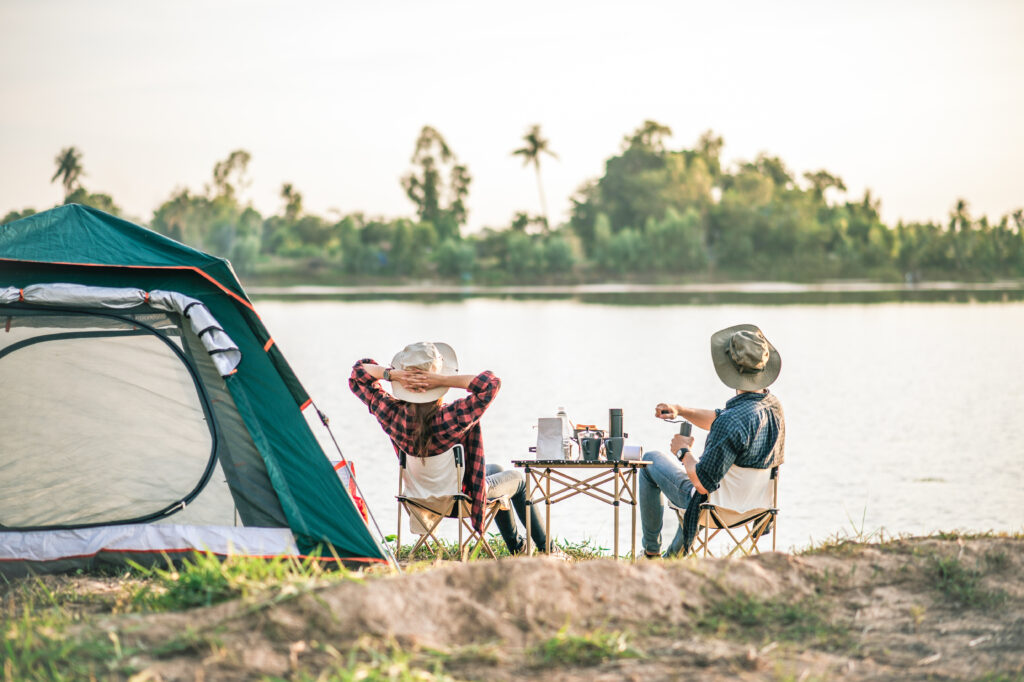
(742, 616)
(577, 551)
(204, 580)
(49, 630)
(592, 648)
(40, 642)
(963, 585)
(374, 660)
(845, 543)
(43, 620)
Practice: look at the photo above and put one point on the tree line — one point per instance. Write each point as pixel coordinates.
(656, 213)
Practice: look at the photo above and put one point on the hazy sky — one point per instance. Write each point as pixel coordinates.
(922, 102)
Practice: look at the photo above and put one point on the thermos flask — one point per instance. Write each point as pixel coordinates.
(615, 422)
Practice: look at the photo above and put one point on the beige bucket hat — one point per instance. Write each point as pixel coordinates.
(744, 359)
(435, 357)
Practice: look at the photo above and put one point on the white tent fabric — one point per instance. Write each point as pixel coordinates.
(222, 349)
(52, 545)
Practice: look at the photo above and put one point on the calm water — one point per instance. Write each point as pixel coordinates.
(904, 417)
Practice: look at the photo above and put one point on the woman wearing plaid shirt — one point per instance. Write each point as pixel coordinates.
(419, 424)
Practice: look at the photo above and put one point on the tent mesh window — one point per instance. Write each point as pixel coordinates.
(106, 420)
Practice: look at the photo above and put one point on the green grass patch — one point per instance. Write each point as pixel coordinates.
(997, 561)
(577, 551)
(583, 550)
(963, 585)
(374, 661)
(40, 646)
(204, 580)
(592, 648)
(746, 617)
(449, 549)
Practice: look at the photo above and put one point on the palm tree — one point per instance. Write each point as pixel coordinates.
(531, 152)
(69, 169)
(293, 202)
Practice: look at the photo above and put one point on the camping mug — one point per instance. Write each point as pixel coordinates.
(613, 448)
(591, 449)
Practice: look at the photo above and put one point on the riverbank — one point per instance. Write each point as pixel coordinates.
(944, 607)
(846, 291)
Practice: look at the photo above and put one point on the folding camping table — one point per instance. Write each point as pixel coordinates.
(554, 480)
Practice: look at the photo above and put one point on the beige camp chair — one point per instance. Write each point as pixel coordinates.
(745, 507)
(429, 491)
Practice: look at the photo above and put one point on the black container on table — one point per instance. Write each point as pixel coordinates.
(615, 422)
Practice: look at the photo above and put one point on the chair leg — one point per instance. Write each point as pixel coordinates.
(481, 538)
(480, 542)
(741, 544)
(737, 543)
(754, 529)
(437, 548)
(462, 546)
(710, 533)
(425, 541)
(760, 528)
(398, 533)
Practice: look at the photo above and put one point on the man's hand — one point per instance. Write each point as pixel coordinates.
(666, 411)
(680, 441)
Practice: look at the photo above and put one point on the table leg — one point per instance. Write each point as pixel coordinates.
(547, 510)
(616, 505)
(632, 475)
(529, 510)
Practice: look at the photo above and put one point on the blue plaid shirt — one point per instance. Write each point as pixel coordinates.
(750, 432)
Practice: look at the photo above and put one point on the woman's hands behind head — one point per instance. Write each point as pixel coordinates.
(416, 380)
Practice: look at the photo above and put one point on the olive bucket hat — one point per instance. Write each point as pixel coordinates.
(744, 359)
(437, 357)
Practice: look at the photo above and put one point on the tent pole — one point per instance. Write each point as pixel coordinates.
(383, 541)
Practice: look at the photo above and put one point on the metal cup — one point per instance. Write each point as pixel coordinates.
(591, 449)
(613, 448)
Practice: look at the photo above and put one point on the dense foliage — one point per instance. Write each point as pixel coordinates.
(655, 214)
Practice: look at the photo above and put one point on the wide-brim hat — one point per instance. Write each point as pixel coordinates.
(435, 357)
(744, 358)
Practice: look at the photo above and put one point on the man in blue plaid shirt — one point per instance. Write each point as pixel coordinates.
(749, 432)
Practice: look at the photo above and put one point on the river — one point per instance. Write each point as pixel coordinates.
(902, 418)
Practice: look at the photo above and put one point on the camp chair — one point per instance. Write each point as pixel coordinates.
(745, 507)
(429, 491)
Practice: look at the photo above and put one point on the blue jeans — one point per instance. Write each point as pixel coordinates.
(511, 483)
(664, 475)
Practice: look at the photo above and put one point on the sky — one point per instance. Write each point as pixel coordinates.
(922, 102)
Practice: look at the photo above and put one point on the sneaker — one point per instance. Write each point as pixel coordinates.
(557, 553)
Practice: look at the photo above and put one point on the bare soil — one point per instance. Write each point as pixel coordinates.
(928, 608)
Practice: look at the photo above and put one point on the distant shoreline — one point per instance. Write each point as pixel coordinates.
(846, 291)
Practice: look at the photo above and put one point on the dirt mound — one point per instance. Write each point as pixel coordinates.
(912, 609)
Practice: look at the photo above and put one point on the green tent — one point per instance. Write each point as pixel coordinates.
(147, 410)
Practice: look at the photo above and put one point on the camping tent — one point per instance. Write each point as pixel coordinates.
(145, 409)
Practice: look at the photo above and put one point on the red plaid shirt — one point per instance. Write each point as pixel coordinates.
(456, 422)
